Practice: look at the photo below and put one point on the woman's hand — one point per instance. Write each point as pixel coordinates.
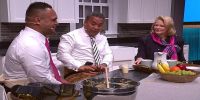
(138, 61)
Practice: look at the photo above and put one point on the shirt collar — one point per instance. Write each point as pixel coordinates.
(36, 34)
(85, 33)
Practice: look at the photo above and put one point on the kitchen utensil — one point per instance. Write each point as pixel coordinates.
(107, 80)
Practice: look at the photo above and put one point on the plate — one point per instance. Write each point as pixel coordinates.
(197, 69)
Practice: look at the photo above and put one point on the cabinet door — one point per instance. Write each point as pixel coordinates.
(67, 11)
(134, 11)
(148, 10)
(163, 7)
(145, 11)
(17, 10)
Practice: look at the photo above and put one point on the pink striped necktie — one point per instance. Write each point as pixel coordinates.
(53, 67)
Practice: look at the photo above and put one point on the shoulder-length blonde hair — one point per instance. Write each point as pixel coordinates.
(168, 22)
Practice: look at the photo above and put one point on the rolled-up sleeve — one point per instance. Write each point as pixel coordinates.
(107, 54)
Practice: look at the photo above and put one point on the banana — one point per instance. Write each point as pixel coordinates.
(160, 68)
(165, 66)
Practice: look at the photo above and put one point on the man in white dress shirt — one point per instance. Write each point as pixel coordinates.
(75, 48)
(27, 58)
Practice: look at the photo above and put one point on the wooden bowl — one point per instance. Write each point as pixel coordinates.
(145, 69)
(179, 78)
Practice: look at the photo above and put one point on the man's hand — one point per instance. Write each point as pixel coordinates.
(91, 74)
(87, 68)
(101, 67)
(93, 69)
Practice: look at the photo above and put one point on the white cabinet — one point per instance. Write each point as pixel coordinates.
(14, 10)
(148, 10)
(163, 7)
(67, 11)
(142, 11)
(133, 11)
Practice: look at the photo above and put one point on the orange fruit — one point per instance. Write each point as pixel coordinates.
(174, 68)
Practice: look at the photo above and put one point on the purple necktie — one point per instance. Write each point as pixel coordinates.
(53, 67)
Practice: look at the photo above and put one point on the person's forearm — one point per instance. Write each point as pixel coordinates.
(68, 60)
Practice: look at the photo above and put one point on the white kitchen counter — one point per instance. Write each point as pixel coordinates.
(153, 88)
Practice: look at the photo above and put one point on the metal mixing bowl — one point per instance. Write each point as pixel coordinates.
(118, 86)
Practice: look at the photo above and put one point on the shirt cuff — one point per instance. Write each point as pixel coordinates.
(76, 66)
(107, 63)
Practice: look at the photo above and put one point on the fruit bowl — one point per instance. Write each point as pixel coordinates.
(178, 78)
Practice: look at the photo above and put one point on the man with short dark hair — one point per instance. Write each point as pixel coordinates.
(28, 58)
(85, 49)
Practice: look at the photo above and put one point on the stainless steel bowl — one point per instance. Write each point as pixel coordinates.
(197, 69)
(118, 86)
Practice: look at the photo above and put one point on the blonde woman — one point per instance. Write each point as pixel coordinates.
(162, 38)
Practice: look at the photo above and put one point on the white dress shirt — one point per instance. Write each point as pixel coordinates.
(28, 57)
(75, 49)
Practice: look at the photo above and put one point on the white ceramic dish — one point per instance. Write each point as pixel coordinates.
(147, 62)
(172, 62)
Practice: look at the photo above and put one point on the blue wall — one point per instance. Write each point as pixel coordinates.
(192, 11)
(192, 37)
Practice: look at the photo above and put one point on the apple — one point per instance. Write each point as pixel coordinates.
(182, 66)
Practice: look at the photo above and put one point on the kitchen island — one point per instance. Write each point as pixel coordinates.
(151, 88)
(133, 75)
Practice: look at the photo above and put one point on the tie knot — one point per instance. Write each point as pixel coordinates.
(92, 39)
(46, 41)
(47, 44)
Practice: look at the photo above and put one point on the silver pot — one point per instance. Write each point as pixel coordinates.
(118, 86)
